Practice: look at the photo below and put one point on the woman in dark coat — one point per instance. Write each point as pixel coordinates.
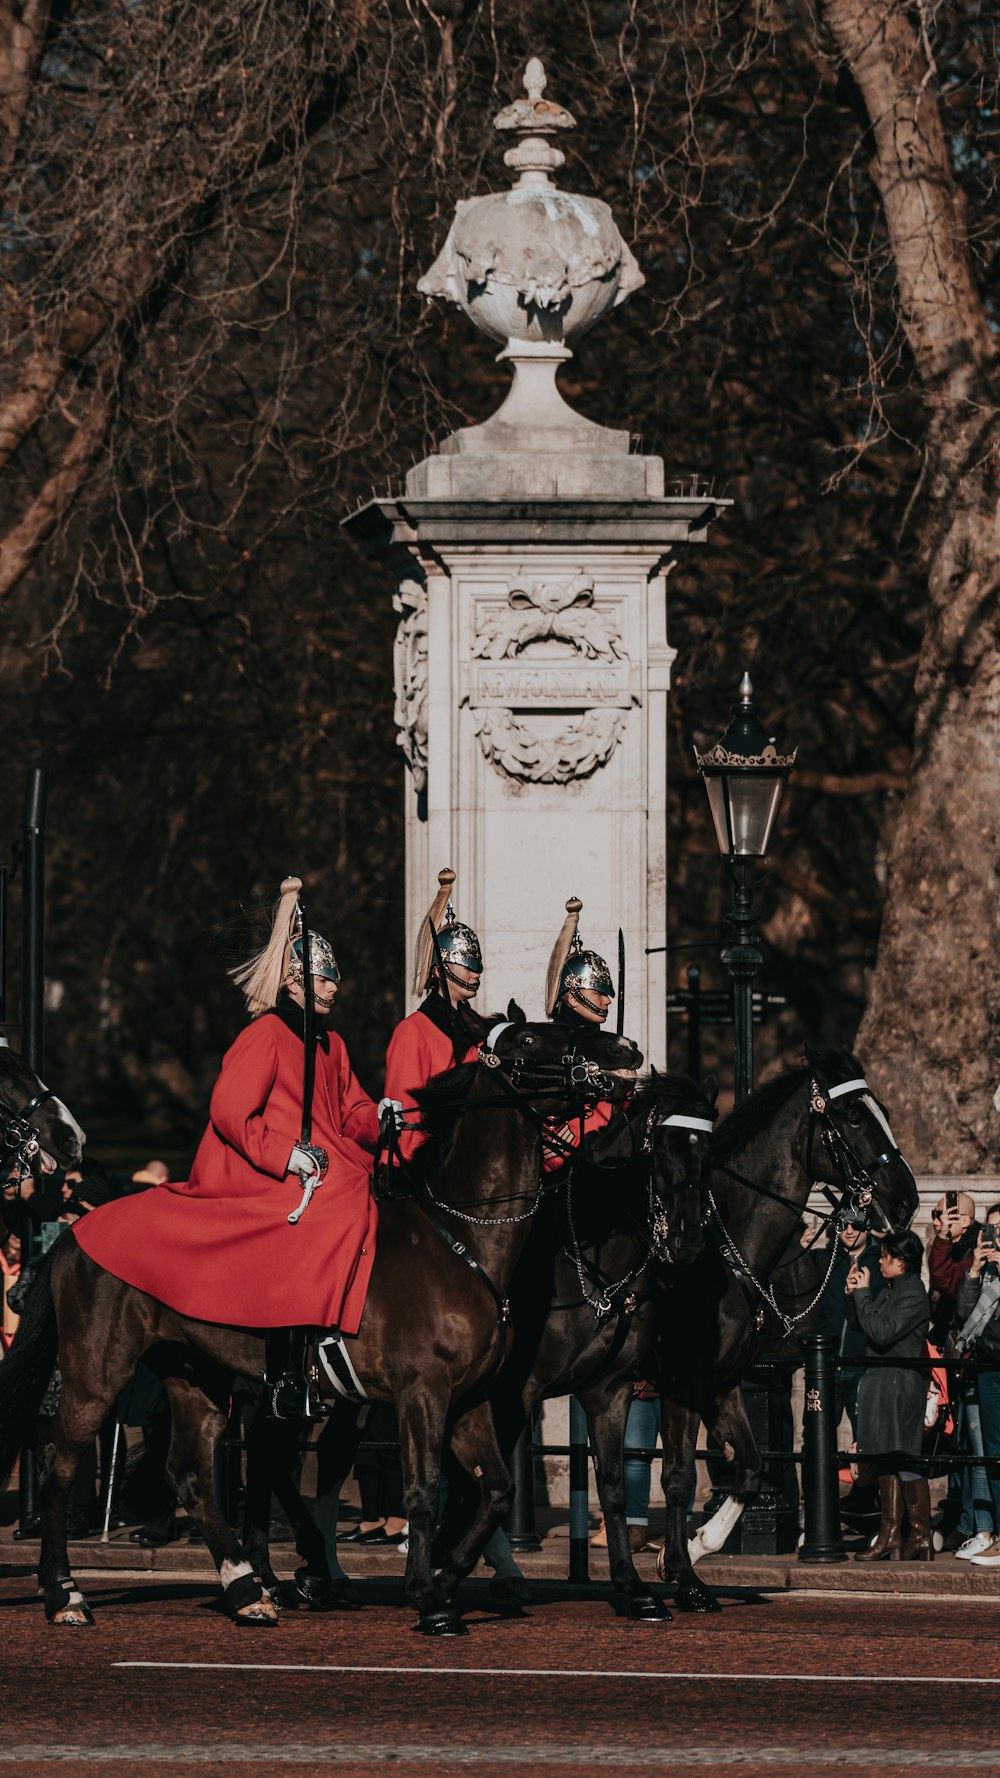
(890, 1401)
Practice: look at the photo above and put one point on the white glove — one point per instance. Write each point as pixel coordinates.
(395, 1106)
(308, 1163)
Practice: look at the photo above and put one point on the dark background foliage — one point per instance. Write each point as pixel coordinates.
(199, 654)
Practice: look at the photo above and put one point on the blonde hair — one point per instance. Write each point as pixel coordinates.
(560, 952)
(262, 976)
(423, 954)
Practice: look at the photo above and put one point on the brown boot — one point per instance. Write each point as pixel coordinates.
(887, 1546)
(919, 1545)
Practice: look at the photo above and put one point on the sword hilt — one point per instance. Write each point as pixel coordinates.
(308, 1187)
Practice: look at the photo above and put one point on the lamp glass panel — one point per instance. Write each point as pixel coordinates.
(753, 804)
(718, 802)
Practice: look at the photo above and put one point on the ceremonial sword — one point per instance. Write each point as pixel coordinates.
(309, 1064)
(621, 983)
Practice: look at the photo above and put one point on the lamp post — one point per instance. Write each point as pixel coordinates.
(744, 776)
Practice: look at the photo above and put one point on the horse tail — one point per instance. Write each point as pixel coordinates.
(27, 1367)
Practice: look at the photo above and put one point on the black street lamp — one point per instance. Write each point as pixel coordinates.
(744, 776)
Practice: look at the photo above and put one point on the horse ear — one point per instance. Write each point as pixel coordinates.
(710, 1088)
(514, 1013)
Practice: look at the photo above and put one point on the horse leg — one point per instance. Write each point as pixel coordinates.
(731, 1428)
(475, 1444)
(92, 1376)
(607, 1412)
(74, 1427)
(197, 1424)
(335, 1452)
(314, 1585)
(272, 1450)
(680, 1440)
(421, 1438)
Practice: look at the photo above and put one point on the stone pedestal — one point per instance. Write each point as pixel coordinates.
(532, 673)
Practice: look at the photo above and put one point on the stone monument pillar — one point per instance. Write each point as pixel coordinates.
(532, 664)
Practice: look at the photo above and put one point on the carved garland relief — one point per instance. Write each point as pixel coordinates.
(588, 666)
(562, 651)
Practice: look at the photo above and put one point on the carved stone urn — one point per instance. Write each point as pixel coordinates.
(533, 268)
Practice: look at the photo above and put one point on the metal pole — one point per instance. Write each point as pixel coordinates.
(3, 944)
(820, 1493)
(520, 1521)
(33, 901)
(579, 1521)
(694, 1021)
(743, 960)
(106, 1533)
(32, 1035)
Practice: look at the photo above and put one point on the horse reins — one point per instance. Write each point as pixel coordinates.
(858, 1185)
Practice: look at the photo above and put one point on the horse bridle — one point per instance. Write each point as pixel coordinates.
(19, 1140)
(858, 1187)
(657, 1225)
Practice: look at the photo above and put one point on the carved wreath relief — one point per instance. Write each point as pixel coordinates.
(590, 670)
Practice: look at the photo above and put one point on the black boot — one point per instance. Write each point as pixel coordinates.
(290, 1384)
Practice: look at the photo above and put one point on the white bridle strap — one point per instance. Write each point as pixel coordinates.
(677, 1122)
(847, 1086)
(503, 1025)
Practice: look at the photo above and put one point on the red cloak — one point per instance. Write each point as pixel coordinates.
(220, 1247)
(418, 1049)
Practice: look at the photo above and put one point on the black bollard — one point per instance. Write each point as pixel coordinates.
(820, 1493)
(579, 1515)
(520, 1521)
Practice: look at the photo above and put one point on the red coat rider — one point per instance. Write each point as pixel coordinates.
(423, 1044)
(578, 993)
(220, 1247)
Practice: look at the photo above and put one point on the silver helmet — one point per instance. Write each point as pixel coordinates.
(322, 961)
(459, 944)
(585, 969)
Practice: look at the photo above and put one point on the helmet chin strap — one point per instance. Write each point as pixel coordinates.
(578, 995)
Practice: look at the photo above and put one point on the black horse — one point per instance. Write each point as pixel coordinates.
(817, 1124)
(625, 1221)
(433, 1327)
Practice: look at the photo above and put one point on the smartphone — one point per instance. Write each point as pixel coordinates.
(951, 1200)
(989, 1235)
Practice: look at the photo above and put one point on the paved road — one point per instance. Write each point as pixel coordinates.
(793, 1685)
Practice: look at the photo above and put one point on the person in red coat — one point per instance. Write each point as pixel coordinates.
(578, 993)
(428, 1042)
(220, 1247)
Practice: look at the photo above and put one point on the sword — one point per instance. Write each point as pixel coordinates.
(309, 1061)
(621, 983)
(443, 979)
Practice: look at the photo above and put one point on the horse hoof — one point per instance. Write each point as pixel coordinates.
(262, 1611)
(66, 1605)
(441, 1623)
(695, 1598)
(318, 1593)
(510, 1589)
(645, 1608)
(79, 1616)
(283, 1596)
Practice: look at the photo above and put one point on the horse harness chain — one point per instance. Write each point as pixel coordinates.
(857, 1186)
(656, 1226)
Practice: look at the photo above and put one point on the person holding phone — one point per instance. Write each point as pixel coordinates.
(890, 1400)
(978, 1333)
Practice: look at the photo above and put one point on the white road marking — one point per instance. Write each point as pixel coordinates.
(579, 1757)
(399, 1672)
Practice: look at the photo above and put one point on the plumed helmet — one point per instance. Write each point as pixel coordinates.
(571, 966)
(322, 961)
(262, 976)
(459, 944)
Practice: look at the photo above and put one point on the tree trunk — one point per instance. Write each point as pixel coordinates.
(930, 1031)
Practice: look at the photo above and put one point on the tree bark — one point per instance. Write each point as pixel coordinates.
(930, 1030)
